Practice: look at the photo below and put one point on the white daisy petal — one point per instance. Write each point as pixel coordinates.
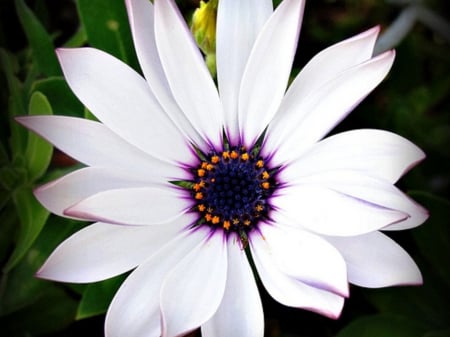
(141, 16)
(238, 25)
(241, 299)
(264, 83)
(289, 291)
(325, 211)
(306, 257)
(326, 65)
(189, 78)
(132, 206)
(135, 309)
(326, 107)
(123, 101)
(70, 189)
(372, 190)
(193, 290)
(377, 153)
(374, 260)
(93, 144)
(101, 251)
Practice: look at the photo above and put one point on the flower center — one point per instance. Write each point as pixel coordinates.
(231, 189)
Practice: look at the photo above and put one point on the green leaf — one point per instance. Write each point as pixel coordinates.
(53, 310)
(61, 98)
(32, 219)
(20, 288)
(107, 28)
(40, 42)
(39, 152)
(382, 326)
(97, 297)
(16, 103)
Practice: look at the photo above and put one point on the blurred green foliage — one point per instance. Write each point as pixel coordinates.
(412, 101)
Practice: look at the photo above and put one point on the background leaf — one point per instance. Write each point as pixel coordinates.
(97, 297)
(107, 28)
(38, 153)
(40, 42)
(32, 219)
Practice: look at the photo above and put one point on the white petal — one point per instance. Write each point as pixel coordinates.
(238, 25)
(324, 211)
(70, 189)
(141, 16)
(101, 251)
(325, 108)
(324, 66)
(372, 190)
(241, 300)
(135, 309)
(374, 260)
(289, 291)
(193, 290)
(186, 72)
(132, 206)
(376, 153)
(93, 144)
(123, 101)
(306, 257)
(267, 72)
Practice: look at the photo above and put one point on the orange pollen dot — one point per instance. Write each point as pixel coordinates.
(259, 208)
(197, 187)
(234, 154)
(213, 180)
(265, 185)
(247, 222)
(204, 164)
(265, 175)
(209, 167)
(208, 217)
(215, 159)
(209, 210)
(226, 155)
(215, 220)
(226, 224)
(260, 164)
(245, 156)
(201, 172)
(235, 221)
(201, 207)
(199, 195)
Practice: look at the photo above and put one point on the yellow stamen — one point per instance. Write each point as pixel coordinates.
(235, 221)
(225, 154)
(209, 167)
(208, 217)
(199, 195)
(234, 154)
(265, 175)
(265, 185)
(215, 220)
(215, 159)
(204, 164)
(244, 156)
(226, 224)
(201, 207)
(260, 164)
(201, 172)
(247, 222)
(259, 207)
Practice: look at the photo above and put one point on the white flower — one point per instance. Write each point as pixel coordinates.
(179, 202)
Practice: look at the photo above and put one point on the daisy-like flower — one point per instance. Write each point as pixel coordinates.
(186, 183)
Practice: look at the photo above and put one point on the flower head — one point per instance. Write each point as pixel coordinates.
(183, 180)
